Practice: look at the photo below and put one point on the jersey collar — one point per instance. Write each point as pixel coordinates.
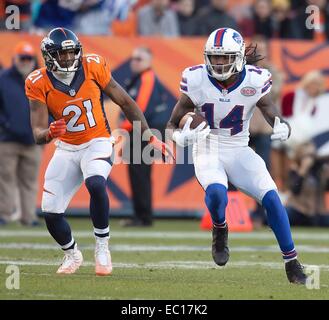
(75, 85)
(232, 86)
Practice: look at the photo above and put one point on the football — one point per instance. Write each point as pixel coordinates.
(197, 119)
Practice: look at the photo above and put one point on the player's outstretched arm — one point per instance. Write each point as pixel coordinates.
(281, 128)
(133, 113)
(127, 104)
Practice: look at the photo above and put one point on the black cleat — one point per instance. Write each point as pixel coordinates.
(295, 273)
(220, 251)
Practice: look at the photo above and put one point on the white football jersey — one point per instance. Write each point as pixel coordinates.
(227, 110)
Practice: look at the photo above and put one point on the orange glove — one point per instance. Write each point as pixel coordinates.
(163, 147)
(56, 129)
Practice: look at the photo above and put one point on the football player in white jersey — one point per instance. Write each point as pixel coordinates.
(225, 90)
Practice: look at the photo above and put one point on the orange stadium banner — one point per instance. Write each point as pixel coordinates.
(174, 186)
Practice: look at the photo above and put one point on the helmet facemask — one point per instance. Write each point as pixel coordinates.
(222, 72)
(56, 61)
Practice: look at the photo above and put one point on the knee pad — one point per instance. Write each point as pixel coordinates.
(95, 185)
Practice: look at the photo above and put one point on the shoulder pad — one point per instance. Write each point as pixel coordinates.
(192, 77)
(258, 76)
(35, 85)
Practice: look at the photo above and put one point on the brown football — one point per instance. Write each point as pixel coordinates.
(197, 119)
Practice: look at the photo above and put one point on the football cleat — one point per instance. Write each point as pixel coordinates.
(71, 262)
(103, 263)
(295, 273)
(220, 251)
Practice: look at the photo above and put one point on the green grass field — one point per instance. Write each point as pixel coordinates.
(171, 260)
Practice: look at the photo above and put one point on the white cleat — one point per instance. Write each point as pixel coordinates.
(71, 262)
(103, 263)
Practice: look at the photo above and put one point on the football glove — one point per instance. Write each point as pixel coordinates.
(281, 130)
(56, 129)
(188, 136)
(163, 147)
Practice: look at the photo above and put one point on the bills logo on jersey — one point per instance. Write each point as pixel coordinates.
(237, 38)
(248, 91)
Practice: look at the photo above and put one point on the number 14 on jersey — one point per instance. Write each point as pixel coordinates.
(233, 120)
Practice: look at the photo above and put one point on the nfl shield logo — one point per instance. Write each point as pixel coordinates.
(224, 92)
(72, 92)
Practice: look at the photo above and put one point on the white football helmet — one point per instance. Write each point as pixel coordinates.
(225, 42)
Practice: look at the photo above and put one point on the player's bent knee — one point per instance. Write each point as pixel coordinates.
(216, 195)
(50, 203)
(271, 200)
(95, 184)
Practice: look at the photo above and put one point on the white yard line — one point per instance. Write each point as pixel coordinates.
(155, 248)
(160, 265)
(166, 234)
(60, 296)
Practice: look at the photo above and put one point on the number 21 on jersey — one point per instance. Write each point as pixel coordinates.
(72, 125)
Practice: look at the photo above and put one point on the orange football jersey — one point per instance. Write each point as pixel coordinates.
(80, 103)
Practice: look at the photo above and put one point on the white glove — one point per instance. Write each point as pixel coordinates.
(281, 130)
(189, 136)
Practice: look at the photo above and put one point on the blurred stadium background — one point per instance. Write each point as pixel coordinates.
(293, 52)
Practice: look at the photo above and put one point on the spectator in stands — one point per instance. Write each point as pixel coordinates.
(55, 13)
(144, 87)
(302, 100)
(96, 16)
(308, 179)
(20, 157)
(213, 17)
(282, 19)
(202, 3)
(297, 4)
(261, 21)
(299, 106)
(157, 18)
(186, 17)
(320, 31)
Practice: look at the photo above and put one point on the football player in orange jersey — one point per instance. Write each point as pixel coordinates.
(70, 89)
